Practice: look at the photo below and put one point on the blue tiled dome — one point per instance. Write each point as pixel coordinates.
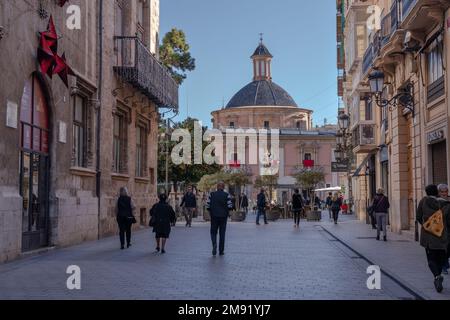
(262, 93)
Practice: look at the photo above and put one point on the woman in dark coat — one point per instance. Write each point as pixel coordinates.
(125, 217)
(163, 216)
(336, 203)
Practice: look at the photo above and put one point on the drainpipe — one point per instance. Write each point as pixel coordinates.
(99, 112)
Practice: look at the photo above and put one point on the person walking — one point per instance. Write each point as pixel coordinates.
(125, 217)
(244, 203)
(189, 205)
(162, 216)
(336, 203)
(219, 205)
(380, 210)
(261, 204)
(328, 203)
(443, 194)
(297, 205)
(435, 243)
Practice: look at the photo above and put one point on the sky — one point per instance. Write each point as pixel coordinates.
(300, 34)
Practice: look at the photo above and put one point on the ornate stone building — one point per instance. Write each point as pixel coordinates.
(66, 150)
(263, 104)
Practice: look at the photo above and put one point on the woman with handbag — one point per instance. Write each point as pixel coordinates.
(433, 215)
(162, 216)
(125, 217)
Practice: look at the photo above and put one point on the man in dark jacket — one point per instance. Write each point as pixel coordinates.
(190, 205)
(435, 247)
(125, 217)
(380, 208)
(261, 204)
(219, 205)
(328, 202)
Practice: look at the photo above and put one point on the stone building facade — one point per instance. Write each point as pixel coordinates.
(263, 104)
(397, 149)
(66, 151)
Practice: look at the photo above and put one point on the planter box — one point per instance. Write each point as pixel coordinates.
(314, 215)
(238, 216)
(273, 215)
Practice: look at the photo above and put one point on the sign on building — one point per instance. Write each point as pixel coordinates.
(339, 167)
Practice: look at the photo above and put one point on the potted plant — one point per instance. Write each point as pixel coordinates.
(237, 178)
(309, 179)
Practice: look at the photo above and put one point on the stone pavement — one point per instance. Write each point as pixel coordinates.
(401, 256)
(261, 263)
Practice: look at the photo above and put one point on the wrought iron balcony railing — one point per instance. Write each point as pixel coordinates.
(368, 59)
(137, 66)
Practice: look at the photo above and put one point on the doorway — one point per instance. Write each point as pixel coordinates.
(34, 166)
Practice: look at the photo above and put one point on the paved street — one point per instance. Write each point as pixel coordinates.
(265, 262)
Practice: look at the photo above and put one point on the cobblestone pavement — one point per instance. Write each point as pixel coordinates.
(269, 262)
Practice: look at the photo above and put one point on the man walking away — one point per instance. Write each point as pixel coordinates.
(190, 205)
(125, 217)
(336, 204)
(219, 205)
(443, 194)
(297, 205)
(380, 208)
(261, 204)
(328, 203)
(435, 243)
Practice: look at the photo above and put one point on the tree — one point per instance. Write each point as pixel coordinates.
(174, 54)
(309, 179)
(267, 181)
(187, 173)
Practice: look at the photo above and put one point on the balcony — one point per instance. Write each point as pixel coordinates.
(422, 15)
(137, 66)
(367, 60)
(363, 138)
(407, 6)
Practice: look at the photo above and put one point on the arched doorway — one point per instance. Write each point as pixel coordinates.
(34, 165)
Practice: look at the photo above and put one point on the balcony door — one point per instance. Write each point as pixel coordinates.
(34, 166)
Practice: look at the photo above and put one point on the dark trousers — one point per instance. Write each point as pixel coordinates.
(296, 216)
(124, 228)
(261, 211)
(436, 260)
(218, 225)
(335, 214)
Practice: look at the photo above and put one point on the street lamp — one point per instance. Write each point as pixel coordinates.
(404, 98)
(339, 154)
(340, 138)
(344, 121)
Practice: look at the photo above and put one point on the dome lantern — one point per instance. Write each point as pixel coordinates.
(262, 63)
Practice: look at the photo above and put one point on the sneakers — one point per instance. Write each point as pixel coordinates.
(158, 249)
(438, 283)
(129, 245)
(122, 248)
(163, 251)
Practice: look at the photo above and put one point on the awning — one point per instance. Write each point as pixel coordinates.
(329, 189)
(362, 166)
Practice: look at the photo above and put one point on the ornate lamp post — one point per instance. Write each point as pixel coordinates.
(404, 98)
(344, 148)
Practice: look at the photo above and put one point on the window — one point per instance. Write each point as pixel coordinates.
(142, 21)
(79, 131)
(301, 125)
(231, 124)
(141, 151)
(435, 73)
(119, 143)
(308, 156)
(435, 69)
(118, 12)
(266, 124)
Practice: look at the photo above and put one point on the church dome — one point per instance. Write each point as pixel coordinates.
(262, 93)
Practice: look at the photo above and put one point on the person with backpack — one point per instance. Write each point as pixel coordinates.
(125, 217)
(162, 216)
(434, 216)
(380, 209)
(297, 205)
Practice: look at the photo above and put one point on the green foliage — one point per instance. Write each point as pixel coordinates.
(187, 173)
(309, 178)
(267, 181)
(174, 54)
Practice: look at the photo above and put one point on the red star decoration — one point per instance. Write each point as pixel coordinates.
(62, 69)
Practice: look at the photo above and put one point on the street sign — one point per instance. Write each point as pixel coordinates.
(339, 167)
